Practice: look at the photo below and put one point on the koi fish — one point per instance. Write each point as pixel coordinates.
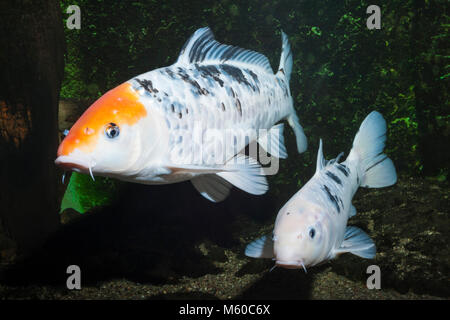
(168, 125)
(312, 226)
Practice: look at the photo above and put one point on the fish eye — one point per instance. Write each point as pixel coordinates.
(312, 233)
(112, 130)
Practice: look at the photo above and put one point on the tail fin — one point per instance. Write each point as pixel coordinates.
(302, 143)
(378, 170)
(286, 58)
(284, 71)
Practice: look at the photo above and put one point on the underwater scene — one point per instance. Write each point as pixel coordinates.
(224, 150)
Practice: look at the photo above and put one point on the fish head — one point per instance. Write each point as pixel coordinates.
(299, 235)
(107, 139)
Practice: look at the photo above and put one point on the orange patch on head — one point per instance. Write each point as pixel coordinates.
(120, 106)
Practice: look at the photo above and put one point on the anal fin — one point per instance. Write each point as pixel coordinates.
(241, 171)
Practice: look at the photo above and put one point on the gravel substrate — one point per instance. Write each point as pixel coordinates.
(191, 249)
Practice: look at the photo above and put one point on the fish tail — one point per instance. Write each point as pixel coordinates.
(302, 143)
(377, 169)
(284, 72)
(285, 68)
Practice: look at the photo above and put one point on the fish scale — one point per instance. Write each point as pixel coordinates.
(203, 95)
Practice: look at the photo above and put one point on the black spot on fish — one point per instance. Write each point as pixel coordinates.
(210, 72)
(288, 213)
(237, 75)
(281, 70)
(185, 77)
(179, 115)
(223, 106)
(346, 168)
(253, 75)
(343, 169)
(255, 79)
(173, 108)
(238, 105)
(170, 73)
(232, 92)
(334, 177)
(147, 85)
(332, 198)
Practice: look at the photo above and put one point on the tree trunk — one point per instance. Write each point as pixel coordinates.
(32, 62)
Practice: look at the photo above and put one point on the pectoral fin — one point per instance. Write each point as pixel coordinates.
(213, 183)
(357, 242)
(260, 248)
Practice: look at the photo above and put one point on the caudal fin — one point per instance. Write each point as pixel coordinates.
(286, 58)
(284, 72)
(377, 169)
(302, 143)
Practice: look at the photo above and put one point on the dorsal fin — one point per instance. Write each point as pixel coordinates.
(321, 163)
(202, 48)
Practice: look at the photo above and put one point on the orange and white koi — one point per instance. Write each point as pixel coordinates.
(147, 130)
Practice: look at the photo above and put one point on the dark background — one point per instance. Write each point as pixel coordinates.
(342, 71)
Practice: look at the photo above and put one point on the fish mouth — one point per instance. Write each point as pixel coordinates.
(294, 264)
(75, 164)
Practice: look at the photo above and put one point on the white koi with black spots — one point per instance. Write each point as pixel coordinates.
(312, 226)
